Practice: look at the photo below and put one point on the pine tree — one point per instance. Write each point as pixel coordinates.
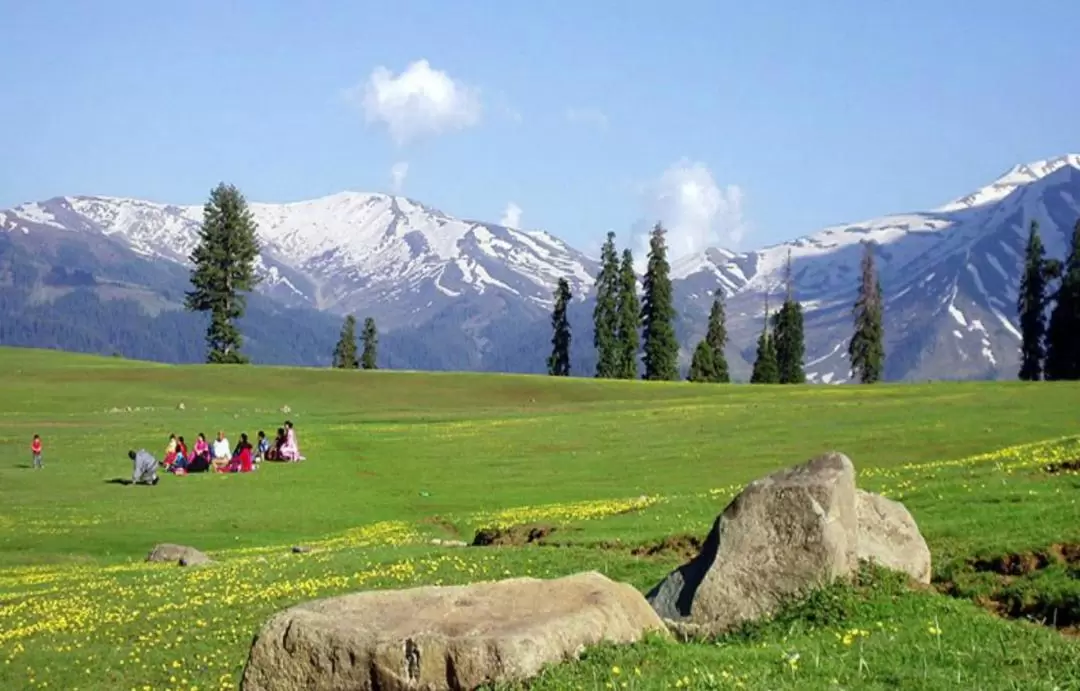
(605, 318)
(765, 371)
(788, 335)
(765, 367)
(702, 364)
(1063, 334)
(345, 350)
(370, 337)
(866, 350)
(1031, 305)
(716, 338)
(628, 320)
(658, 314)
(559, 361)
(223, 270)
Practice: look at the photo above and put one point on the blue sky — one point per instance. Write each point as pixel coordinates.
(741, 124)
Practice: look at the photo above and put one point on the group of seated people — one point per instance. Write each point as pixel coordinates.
(220, 458)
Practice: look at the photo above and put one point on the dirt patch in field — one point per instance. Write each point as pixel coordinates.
(442, 524)
(682, 546)
(514, 536)
(1021, 591)
(1072, 466)
(1026, 563)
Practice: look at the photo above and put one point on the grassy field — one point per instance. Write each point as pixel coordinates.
(396, 459)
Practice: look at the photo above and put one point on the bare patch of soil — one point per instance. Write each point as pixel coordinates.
(514, 536)
(443, 524)
(1016, 596)
(683, 546)
(1072, 466)
(1026, 563)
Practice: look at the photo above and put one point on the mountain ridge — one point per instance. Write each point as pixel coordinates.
(949, 274)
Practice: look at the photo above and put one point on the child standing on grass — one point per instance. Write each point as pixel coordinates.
(35, 449)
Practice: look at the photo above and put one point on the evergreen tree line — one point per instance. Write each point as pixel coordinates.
(345, 350)
(223, 274)
(617, 319)
(782, 351)
(624, 328)
(1050, 345)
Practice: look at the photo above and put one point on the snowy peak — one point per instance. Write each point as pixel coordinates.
(716, 264)
(1016, 177)
(347, 248)
(908, 243)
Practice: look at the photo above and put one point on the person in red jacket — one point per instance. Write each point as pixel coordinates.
(35, 449)
(241, 459)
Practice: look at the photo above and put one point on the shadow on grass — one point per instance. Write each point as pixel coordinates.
(23, 465)
(118, 481)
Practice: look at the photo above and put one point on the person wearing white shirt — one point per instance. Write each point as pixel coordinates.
(220, 450)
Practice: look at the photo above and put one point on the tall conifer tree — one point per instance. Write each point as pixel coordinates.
(559, 361)
(223, 270)
(788, 334)
(866, 350)
(345, 350)
(629, 320)
(702, 364)
(716, 337)
(765, 368)
(1031, 306)
(661, 358)
(605, 317)
(370, 337)
(1063, 334)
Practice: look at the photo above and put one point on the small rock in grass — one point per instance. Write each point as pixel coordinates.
(438, 541)
(177, 554)
(180, 406)
(301, 549)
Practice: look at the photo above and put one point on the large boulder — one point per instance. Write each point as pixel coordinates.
(177, 554)
(443, 637)
(889, 536)
(784, 535)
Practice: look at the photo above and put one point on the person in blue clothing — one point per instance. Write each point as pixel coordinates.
(262, 448)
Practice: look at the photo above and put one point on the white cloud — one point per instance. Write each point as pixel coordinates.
(696, 212)
(398, 171)
(587, 116)
(511, 218)
(421, 101)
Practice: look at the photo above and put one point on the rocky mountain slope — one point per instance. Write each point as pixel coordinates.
(950, 278)
(456, 294)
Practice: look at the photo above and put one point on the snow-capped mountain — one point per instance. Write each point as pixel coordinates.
(348, 252)
(950, 275)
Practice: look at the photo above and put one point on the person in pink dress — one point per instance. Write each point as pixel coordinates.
(290, 450)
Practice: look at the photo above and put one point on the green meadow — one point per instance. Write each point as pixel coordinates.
(398, 459)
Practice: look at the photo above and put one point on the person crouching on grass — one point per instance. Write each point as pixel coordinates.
(144, 469)
(35, 450)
